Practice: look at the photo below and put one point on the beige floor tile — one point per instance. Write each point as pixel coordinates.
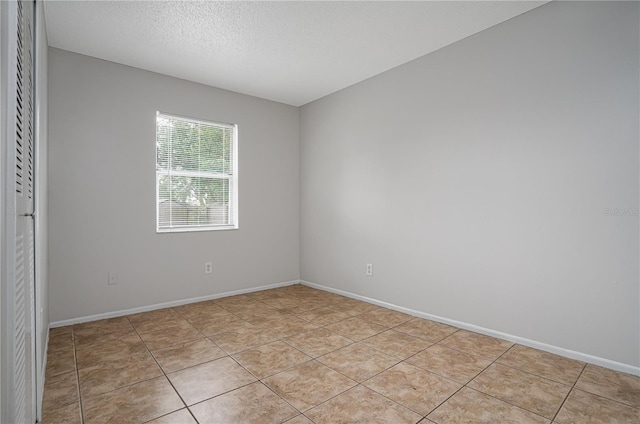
(470, 406)
(274, 299)
(68, 414)
(242, 339)
(304, 306)
(308, 384)
(109, 350)
(386, 317)
(361, 405)
(399, 345)
(449, 363)
(260, 313)
(210, 379)
(270, 359)
(586, 408)
(358, 361)
(107, 376)
(325, 297)
(292, 288)
(165, 314)
(199, 315)
(351, 340)
(108, 324)
(477, 344)
(169, 322)
(307, 305)
(201, 310)
(60, 360)
(133, 404)
(221, 324)
(318, 342)
(356, 329)
(182, 416)
(430, 331)
(88, 337)
(285, 305)
(206, 308)
(300, 419)
(271, 294)
(324, 316)
(536, 394)
(237, 304)
(103, 326)
(286, 327)
(60, 337)
(204, 314)
(413, 387)
(614, 385)
(60, 390)
(153, 320)
(187, 354)
(544, 364)
(247, 405)
(174, 325)
(244, 308)
(171, 336)
(61, 331)
(353, 307)
(238, 299)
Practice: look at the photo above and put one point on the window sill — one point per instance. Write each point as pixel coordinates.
(196, 229)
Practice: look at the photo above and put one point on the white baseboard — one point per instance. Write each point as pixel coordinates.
(584, 357)
(147, 308)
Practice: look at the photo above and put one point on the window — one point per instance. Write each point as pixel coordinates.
(196, 175)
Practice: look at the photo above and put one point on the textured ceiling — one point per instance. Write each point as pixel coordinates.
(290, 52)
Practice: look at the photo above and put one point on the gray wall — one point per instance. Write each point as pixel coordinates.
(477, 180)
(102, 191)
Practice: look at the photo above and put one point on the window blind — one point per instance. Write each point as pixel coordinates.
(196, 174)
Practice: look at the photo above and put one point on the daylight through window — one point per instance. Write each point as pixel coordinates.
(196, 175)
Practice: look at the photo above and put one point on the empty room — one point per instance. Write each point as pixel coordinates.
(320, 212)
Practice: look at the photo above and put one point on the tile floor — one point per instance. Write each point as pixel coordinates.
(299, 355)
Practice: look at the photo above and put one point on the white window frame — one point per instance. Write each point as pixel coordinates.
(232, 178)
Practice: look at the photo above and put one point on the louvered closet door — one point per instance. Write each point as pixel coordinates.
(22, 350)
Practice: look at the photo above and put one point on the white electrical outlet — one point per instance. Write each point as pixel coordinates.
(208, 267)
(369, 270)
(112, 278)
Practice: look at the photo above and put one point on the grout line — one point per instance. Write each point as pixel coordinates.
(164, 374)
(444, 401)
(77, 369)
(585, 390)
(495, 397)
(283, 399)
(509, 403)
(569, 393)
(220, 394)
(192, 415)
(457, 382)
(534, 374)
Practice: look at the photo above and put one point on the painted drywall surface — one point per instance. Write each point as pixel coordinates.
(493, 182)
(102, 191)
